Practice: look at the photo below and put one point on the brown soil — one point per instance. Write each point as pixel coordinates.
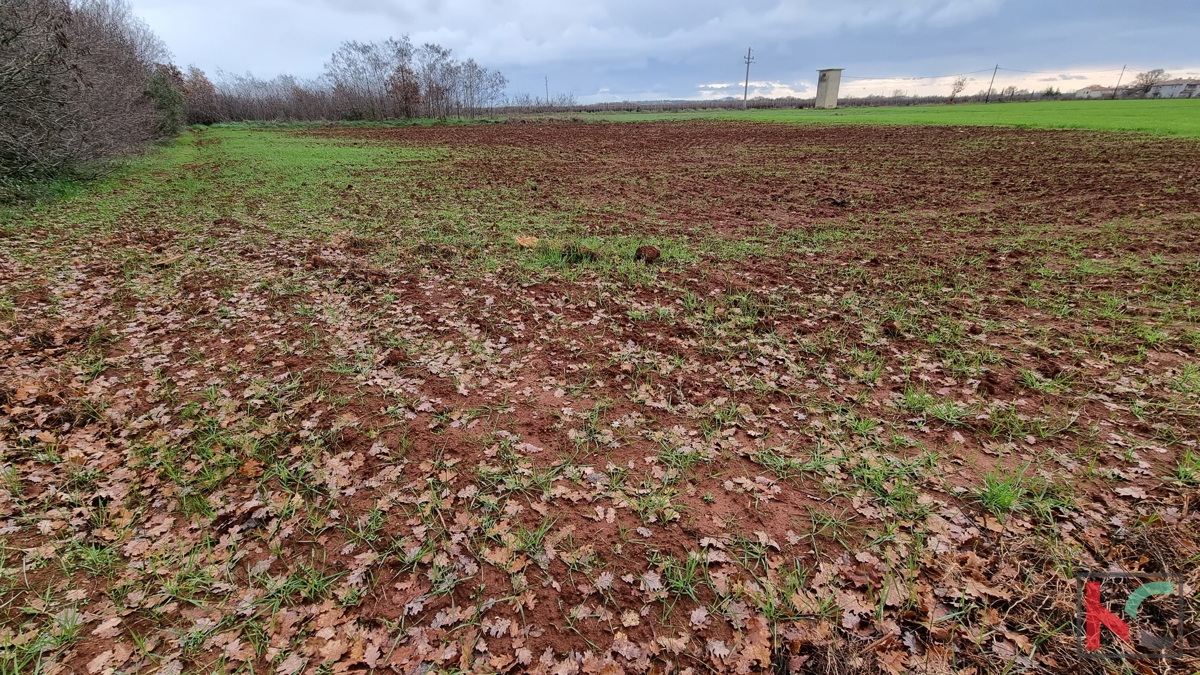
(734, 177)
(432, 385)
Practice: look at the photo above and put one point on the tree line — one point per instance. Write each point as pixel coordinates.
(362, 81)
(81, 81)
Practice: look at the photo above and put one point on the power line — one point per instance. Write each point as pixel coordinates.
(918, 77)
(1049, 72)
(973, 72)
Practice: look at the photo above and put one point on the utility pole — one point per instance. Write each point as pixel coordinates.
(547, 91)
(1118, 87)
(746, 93)
(989, 94)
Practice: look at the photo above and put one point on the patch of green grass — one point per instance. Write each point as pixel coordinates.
(1009, 422)
(1002, 492)
(682, 578)
(1036, 381)
(1187, 471)
(836, 526)
(946, 411)
(1163, 117)
(1187, 380)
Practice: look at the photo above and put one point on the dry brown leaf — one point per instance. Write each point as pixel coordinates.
(850, 602)
(675, 645)
(97, 664)
(980, 589)
(1133, 491)
(333, 650)
(754, 654)
(717, 649)
(895, 663)
(626, 648)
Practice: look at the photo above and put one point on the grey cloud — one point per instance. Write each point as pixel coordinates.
(613, 49)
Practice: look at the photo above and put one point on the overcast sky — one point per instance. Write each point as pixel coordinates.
(602, 50)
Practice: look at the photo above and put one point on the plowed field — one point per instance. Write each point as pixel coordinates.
(403, 400)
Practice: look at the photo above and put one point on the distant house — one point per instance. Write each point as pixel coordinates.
(1096, 91)
(1176, 89)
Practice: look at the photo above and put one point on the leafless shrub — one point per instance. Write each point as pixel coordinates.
(35, 98)
(74, 86)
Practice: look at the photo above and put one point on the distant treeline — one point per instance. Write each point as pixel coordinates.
(80, 82)
(783, 103)
(362, 81)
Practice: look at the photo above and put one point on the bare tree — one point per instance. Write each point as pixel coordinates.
(404, 91)
(1142, 82)
(360, 74)
(957, 87)
(435, 71)
(114, 55)
(200, 96)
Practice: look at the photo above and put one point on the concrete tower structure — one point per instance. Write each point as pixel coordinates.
(827, 88)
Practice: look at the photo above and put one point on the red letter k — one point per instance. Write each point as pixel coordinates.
(1097, 614)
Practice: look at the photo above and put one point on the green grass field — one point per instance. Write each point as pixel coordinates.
(1165, 117)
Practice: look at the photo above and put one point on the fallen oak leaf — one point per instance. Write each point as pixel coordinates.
(291, 665)
(109, 628)
(97, 664)
(757, 645)
(980, 589)
(1133, 491)
(850, 602)
(717, 649)
(676, 644)
(625, 647)
(895, 662)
